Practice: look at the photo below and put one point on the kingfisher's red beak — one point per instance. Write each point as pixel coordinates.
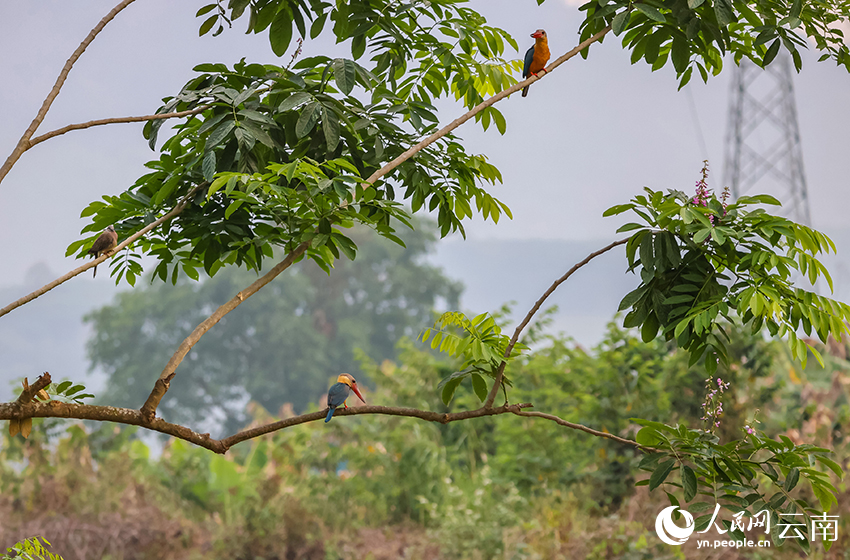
(357, 392)
(537, 34)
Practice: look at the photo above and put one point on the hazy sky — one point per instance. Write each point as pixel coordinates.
(588, 136)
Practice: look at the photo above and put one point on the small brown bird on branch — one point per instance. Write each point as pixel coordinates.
(103, 244)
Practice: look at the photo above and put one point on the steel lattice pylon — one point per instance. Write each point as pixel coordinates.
(763, 138)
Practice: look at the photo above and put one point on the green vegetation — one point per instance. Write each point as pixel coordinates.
(491, 488)
(284, 344)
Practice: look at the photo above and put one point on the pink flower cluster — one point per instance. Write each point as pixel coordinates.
(703, 193)
(712, 406)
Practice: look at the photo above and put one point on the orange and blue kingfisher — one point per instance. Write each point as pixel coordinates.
(536, 57)
(339, 391)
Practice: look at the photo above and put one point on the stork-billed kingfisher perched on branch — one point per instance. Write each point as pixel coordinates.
(339, 391)
(536, 57)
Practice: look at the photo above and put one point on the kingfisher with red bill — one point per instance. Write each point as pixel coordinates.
(339, 392)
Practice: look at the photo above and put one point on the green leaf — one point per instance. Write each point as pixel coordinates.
(330, 126)
(479, 386)
(74, 389)
(280, 33)
(831, 465)
(449, 389)
(659, 475)
(309, 116)
(650, 328)
(208, 166)
(680, 53)
(723, 12)
(618, 209)
(648, 437)
(294, 100)
(219, 134)
(207, 25)
(771, 53)
(620, 22)
(689, 483)
(650, 12)
(345, 74)
(791, 479)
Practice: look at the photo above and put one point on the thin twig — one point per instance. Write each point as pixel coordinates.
(113, 120)
(480, 107)
(582, 428)
(162, 384)
(23, 143)
(528, 316)
(62, 279)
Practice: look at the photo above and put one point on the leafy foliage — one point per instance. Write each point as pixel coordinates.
(30, 549)
(481, 344)
(699, 33)
(288, 342)
(284, 152)
(702, 262)
(745, 476)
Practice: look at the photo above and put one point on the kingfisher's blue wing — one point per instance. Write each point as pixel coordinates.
(337, 394)
(529, 56)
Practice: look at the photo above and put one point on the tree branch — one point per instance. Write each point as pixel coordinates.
(24, 143)
(129, 416)
(582, 428)
(31, 391)
(163, 383)
(430, 416)
(501, 373)
(480, 107)
(57, 409)
(161, 386)
(113, 120)
(62, 279)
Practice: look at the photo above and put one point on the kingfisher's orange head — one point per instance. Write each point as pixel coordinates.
(348, 379)
(539, 34)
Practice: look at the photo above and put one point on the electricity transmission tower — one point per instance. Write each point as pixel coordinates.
(763, 153)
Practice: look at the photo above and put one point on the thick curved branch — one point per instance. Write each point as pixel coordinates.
(430, 416)
(164, 381)
(528, 316)
(480, 107)
(113, 120)
(62, 279)
(56, 409)
(24, 143)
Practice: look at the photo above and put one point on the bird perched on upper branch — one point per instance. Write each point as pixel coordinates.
(103, 244)
(339, 391)
(536, 57)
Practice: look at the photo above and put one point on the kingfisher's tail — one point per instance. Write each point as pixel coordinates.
(330, 414)
(525, 91)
